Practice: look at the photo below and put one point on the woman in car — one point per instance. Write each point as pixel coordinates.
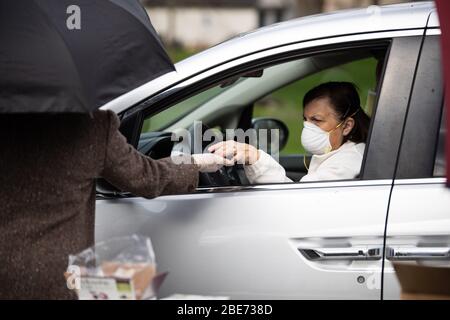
(335, 131)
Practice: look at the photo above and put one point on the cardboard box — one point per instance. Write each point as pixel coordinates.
(419, 282)
(134, 278)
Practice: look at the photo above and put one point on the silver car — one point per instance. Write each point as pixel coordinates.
(312, 240)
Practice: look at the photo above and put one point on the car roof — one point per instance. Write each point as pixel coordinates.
(412, 15)
(371, 19)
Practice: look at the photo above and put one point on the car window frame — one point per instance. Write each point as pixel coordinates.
(428, 91)
(390, 109)
(400, 42)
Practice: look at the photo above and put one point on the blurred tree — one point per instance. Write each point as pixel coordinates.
(307, 7)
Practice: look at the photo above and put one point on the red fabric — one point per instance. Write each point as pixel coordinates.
(443, 7)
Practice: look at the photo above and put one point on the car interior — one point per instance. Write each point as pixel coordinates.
(264, 98)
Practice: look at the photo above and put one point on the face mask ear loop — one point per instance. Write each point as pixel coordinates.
(351, 115)
(304, 162)
(340, 124)
(354, 113)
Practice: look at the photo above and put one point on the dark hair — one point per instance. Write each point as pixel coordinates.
(345, 100)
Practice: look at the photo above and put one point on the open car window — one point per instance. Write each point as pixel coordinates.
(274, 92)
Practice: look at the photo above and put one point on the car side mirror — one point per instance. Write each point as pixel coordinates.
(272, 134)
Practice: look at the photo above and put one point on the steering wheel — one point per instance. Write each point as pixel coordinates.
(226, 176)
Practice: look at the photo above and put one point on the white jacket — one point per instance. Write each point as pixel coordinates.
(340, 164)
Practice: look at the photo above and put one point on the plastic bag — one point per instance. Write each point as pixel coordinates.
(119, 268)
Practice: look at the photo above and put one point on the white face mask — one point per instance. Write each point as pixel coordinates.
(315, 140)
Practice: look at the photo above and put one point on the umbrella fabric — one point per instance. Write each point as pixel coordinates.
(74, 55)
(443, 7)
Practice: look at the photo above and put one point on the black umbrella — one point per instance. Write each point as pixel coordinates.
(74, 55)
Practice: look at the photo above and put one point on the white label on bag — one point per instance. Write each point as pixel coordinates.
(95, 288)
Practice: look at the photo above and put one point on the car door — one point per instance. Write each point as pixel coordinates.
(418, 229)
(295, 241)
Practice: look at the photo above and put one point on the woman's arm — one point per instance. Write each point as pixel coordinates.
(258, 165)
(341, 166)
(265, 170)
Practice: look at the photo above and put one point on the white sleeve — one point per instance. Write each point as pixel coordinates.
(265, 170)
(341, 167)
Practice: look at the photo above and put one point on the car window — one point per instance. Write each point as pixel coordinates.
(170, 115)
(274, 92)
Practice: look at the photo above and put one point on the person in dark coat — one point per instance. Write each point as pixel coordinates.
(48, 166)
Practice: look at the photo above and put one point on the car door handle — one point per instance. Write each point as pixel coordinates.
(347, 253)
(418, 253)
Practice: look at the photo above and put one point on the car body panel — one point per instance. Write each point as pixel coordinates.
(419, 217)
(244, 244)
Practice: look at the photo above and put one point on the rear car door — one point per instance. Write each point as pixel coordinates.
(418, 224)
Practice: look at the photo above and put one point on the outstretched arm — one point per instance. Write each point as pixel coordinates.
(129, 170)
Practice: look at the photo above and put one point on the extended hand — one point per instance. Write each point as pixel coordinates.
(208, 162)
(240, 153)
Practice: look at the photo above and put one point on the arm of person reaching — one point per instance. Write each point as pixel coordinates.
(265, 170)
(131, 171)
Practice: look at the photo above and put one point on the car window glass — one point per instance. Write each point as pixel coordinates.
(177, 111)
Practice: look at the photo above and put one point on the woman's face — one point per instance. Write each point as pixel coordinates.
(321, 113)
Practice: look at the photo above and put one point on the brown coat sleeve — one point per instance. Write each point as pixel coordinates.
(131, 171)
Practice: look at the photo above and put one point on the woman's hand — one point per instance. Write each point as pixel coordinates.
(240, 153)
